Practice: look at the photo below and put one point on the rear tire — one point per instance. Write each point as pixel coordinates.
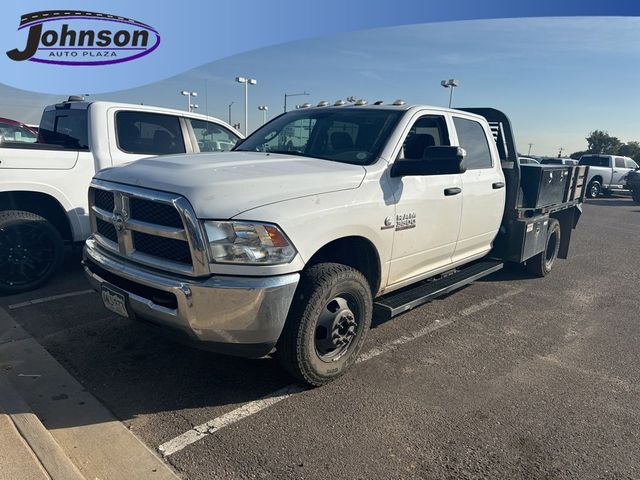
(31, 251)
(594, 189)
(542, 263)
(327, 323)
(635, 194)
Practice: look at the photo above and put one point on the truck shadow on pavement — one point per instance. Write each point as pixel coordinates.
(134, 371)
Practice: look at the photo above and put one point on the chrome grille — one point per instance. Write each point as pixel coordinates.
(174, 250)
(153, 228)
(107, 230)
(154, 212)
(104, 200)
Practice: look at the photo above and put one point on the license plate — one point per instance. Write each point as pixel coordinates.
(114, 300)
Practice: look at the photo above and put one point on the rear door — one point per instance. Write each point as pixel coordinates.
(483, 188)
(427, 220)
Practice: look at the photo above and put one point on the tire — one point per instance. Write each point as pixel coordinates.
(331, 298)
(594, 189)
(31, 251)
(542, 263)
(635, 194)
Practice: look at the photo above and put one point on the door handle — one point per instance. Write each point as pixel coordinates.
(452, 191)
(497, 185)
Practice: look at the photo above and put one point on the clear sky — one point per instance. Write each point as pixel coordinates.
(556, 78)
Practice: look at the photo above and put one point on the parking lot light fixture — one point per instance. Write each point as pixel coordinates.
(230, 112)
(287, 95)
(247, 82)
(188, 94)
(451, 83)
(263, 109)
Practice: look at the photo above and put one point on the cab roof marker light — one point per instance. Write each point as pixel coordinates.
(399, 102)
(361, 102)
(339, 103)
(304, 105)
(323, 103)
(379, 102)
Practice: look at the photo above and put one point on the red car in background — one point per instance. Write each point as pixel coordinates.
(13, 131)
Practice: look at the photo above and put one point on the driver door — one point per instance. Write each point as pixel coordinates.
(428, 208)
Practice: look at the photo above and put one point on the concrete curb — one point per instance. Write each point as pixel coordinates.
(42, 444)
(88, 434)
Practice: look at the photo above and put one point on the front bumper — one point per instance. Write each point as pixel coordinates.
(241, 316)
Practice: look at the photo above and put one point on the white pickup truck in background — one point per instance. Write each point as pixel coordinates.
(44, 185)
(606, 173)
(318, 218)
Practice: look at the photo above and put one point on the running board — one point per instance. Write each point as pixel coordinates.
(407, 298)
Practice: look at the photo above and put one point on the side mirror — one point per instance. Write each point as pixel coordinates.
(442, 160)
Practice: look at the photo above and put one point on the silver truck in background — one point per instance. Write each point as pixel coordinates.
(606, 173)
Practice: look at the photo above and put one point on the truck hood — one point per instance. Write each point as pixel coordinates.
(222, 185)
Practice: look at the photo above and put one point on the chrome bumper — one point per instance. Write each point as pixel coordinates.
(234, 315)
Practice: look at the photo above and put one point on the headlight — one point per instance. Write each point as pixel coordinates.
(250, 243)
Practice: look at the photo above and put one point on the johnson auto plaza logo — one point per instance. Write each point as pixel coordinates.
(70, 37)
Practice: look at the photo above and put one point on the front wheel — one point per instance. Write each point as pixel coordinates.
(327, 323)
(31, 251)
(635, 194)
(542, 263)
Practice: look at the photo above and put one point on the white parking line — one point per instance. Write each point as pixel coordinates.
(199, 432)
(48, 299)
(176, 444)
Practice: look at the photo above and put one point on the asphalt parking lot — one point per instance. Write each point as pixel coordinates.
(512, 377)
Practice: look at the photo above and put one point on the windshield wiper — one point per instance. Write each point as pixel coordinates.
(289, 152)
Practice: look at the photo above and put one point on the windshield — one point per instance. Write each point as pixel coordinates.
(346, 134)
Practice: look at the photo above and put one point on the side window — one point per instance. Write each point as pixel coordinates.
(427, 131)
(212, 137)
(619, 162)
(149, 133)
(473, 139)
(628, 163)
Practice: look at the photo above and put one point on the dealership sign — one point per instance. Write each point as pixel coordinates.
(70, 37)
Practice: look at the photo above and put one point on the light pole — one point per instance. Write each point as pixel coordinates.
(451, 83)
(529, 152)
(230, 112)
(560, 152)
(189, 94)
(287, 95)
(263, 109)
(193, 106)
(247, 82)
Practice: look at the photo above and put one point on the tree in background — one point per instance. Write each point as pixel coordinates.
(630, 149)
(600, 141)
